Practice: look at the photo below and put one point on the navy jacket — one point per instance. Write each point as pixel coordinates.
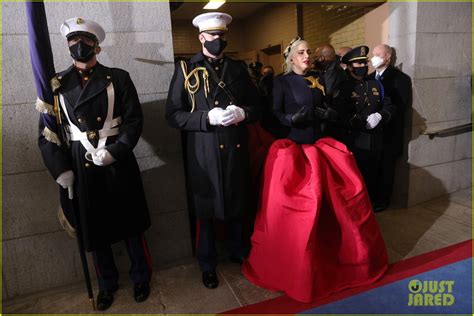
(109, 200)
(362, 98)
(216, 156)
(290, 93)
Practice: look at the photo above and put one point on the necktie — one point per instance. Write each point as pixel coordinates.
(377, 77)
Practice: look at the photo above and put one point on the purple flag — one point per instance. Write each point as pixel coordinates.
(41, 61)
(40, 50)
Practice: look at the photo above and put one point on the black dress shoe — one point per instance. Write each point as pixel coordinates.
(105, 298)
(141, 291)
(379, 207)
(209, 279)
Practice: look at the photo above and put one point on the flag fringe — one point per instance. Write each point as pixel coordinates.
(44, 107)
(51, 136)
(68, 228)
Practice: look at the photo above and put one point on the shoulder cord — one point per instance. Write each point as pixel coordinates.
(193, 88)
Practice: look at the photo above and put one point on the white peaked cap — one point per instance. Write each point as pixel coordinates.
(212, 21)
(82, 25)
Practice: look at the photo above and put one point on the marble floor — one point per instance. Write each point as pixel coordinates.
(407, 232)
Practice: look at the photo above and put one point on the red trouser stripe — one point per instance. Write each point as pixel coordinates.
(97, 270)
(198, 234)
(146, 252)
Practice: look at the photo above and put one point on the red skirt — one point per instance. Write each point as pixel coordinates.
(315, 231)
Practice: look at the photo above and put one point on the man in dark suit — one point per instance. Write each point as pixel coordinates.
(397, 86)
(94, 162)
(327, 63)
(211, 99)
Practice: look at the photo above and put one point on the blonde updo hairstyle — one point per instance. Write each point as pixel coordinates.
(290, 51)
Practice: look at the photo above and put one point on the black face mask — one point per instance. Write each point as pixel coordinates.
(268, 76)
(216, 46)
(82, 52)
(361, 71)
(319, 65)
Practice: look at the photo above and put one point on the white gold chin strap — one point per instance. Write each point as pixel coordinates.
(110, 127)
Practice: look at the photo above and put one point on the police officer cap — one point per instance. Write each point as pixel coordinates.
(212, 22)
(358, 54)
(80, 26)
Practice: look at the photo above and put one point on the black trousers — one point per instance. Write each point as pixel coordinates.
(385, 176)
(206, 253)
(368, 162)
(141, 266)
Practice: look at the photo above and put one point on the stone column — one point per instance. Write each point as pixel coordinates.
(433, 45)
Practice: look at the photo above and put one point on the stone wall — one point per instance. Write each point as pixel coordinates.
(37, 254)
(434, 46)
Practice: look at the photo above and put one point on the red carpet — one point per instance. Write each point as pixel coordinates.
(396, 271)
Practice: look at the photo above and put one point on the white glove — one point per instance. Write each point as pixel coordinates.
(102, 158)
(237, 115)
(215, 116)
(373, 120)
(66, 180)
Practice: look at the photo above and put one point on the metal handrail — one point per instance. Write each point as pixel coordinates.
(465, 128)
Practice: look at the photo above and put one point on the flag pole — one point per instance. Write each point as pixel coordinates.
(43, 70)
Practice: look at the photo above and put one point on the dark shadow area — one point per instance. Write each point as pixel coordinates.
(403, 227)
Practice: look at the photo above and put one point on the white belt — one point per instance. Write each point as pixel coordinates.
(109, 128)
(90, 135)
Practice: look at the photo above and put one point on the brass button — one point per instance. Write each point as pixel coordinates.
(109, 77)
(221, 146)
(238, 145)
(87, 165)
(86, 78)
(99, 119)
(59, 77)
(80, 120)
(216, 103)
(216, 68)
(368, 104)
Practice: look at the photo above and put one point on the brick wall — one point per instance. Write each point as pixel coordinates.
(185, 39)
(276, 23)
(339, 25)
(272, 25)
